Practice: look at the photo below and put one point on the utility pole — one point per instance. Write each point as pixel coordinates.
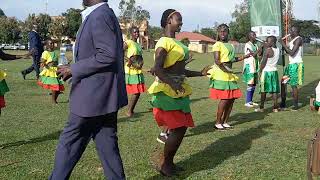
(46, 5)
(288, 15)
(318, 9)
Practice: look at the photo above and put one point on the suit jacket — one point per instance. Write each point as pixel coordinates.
(98, 84)
(35, 43)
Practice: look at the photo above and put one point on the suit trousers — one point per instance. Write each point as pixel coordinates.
(74, 139)
(35, 66)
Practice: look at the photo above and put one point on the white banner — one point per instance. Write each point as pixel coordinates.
(263, 31)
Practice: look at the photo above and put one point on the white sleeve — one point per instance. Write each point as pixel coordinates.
(318, 92)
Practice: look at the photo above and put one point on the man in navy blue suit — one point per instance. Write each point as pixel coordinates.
(98, 91)
(36, 47)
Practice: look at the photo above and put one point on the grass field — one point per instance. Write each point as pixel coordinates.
(261, 146)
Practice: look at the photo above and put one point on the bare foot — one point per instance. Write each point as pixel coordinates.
(130, 114)
(178, 168)
(167, 170)
(312, 108)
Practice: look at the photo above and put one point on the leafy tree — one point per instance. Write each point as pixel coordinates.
(42, 20)
(26, 27)
(9, 30)
(209, 32)
(195, 31)
(57, 28)
(130, 13)
(241, 24)
(155, 32)
(2, 13)
(73, 21)
(308, 29)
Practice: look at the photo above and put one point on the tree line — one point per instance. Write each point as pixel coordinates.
(13, 30)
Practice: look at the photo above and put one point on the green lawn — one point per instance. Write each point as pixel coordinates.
(261, 146)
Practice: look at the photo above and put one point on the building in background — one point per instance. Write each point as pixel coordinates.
(197, 42)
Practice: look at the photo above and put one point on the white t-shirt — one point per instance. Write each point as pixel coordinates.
(318, 92)
(250, 60)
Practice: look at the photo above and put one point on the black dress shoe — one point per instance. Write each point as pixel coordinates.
(23, 75)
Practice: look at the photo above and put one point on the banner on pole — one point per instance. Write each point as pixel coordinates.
(266, 19)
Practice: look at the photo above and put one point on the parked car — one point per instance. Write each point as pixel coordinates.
(8, 46)
(22, 47)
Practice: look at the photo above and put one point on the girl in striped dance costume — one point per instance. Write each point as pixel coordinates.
(133, 70)
(48, 77)
(223, 83)
(170, 92)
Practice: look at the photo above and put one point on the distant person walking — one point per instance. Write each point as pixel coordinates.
(36, 47)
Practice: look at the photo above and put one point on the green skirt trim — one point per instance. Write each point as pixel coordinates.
(269, 82)
(295, 73)
(316, 103)
(223, 85)
(50, 80)
(134, 79)
(3, 87)
(167, 103)
(249, 78)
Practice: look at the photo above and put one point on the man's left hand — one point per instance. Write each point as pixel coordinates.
(64, 72)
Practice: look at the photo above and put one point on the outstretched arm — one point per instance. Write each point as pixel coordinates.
(203, 72)
(8, 57)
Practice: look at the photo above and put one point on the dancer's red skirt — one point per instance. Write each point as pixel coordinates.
(225, 94)
(172, 119)
(2, 102)
(136, 88)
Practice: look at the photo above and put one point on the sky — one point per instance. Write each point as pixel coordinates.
(196, 13)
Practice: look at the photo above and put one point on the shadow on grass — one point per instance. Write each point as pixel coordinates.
(135, 117)
(48, 137)
(304, 92)
(219, 151)
(236, 119)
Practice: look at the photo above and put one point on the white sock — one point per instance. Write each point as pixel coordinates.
(219, 126)
(163, 134)
(226, 125)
